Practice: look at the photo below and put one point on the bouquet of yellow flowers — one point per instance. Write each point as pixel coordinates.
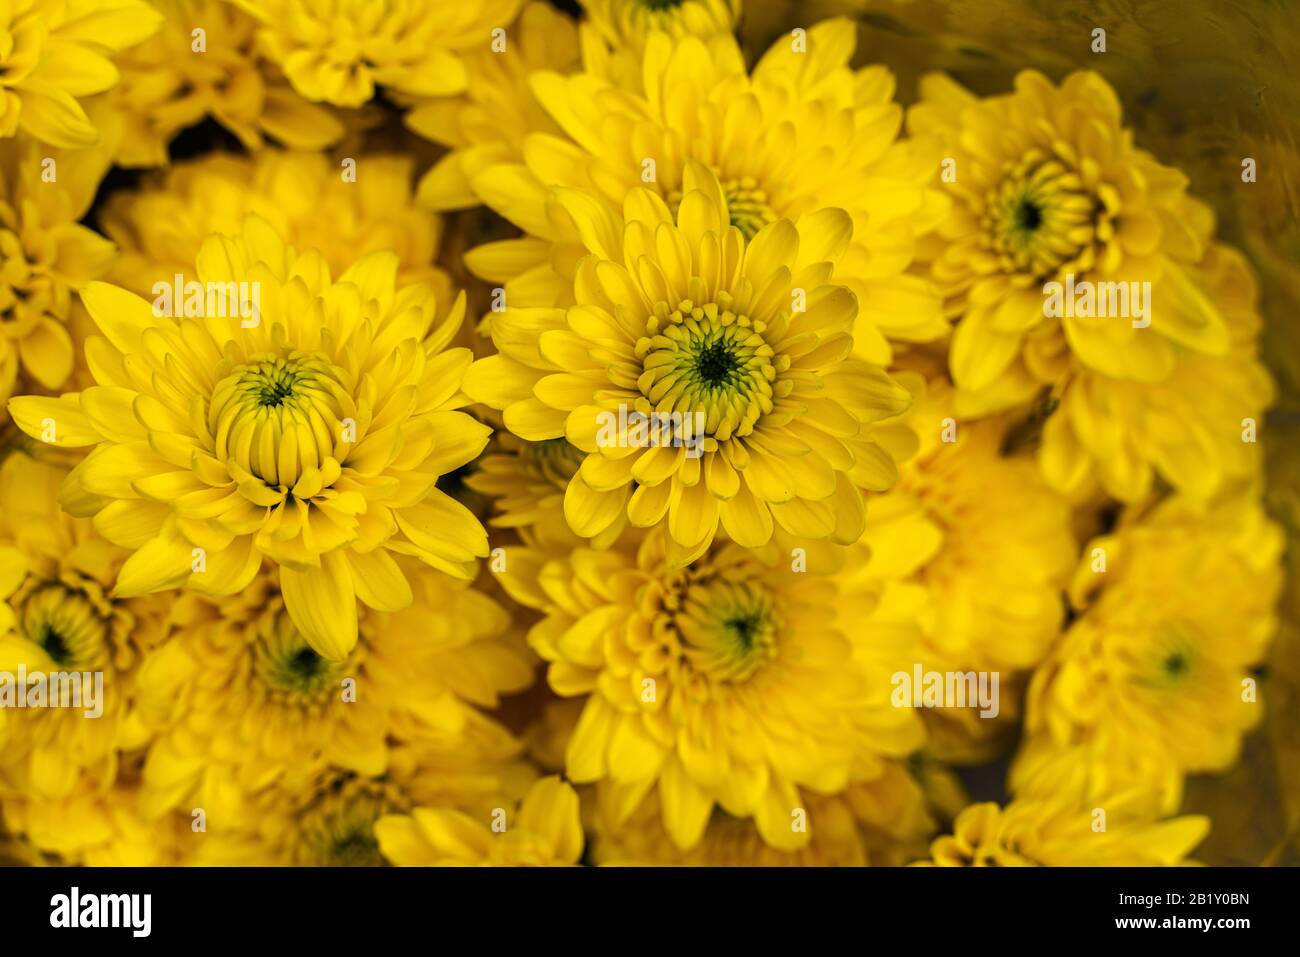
(644, 432)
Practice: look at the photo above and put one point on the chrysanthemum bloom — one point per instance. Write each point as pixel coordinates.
(45, 256)
(628, 23)
(328, 819)
(340, 56)
(1177, 607)
(160, 226)
(54, 54)
(804, 132)
(970, 546)
(971, 552)
(884, 821)
(57, 615)
(1199, 428)
(641, 841)
(736, 356)
(180, 76)
(1056, 832)
(1049, 188)
(737, 682)
(98, 827)
(311, 433)
(488, 122)
(545, 831)
(240, 699)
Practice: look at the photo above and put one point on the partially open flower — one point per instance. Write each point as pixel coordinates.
(296, 418)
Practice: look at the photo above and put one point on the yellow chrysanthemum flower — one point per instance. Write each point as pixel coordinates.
(312, 434)
(1176, 608)
(96, 827)
(340, 52)
(203, 63)
(883, 821)
(736, 682)
(240, 698)
(803, 132)
(628, 23)
(56, 573)
(56, 52)
(970, 546)
(161, 226)
(1198, 428)
(1058, 833)
(45, 256)
(1048, 188)
(545, 831)
(489, 121)
(747, 344)
(970, 553)
(329, 819)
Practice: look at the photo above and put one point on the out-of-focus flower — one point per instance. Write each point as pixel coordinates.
(1058, 833)
(311, 433)
(737, 682)
(803, 132)
(1176, 607)
(240, 699)
(56, 575)
(628, 23)
(546, 830)
(490, 120)
(46, 256)
(747, 343)
(412, 46)
(970, 553)
(56, 53)
(1049, 188)
(161, 226)
(881, 821)
(93, 826)
(203, 63)
(1198, 429)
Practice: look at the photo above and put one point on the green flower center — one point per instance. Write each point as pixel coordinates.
(727, 620)
(338, 829)
(275, 417)
(1040, 220)
(708, 360)
(291, 670)
(67, 628)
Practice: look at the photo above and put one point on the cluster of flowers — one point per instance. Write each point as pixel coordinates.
(369, 579)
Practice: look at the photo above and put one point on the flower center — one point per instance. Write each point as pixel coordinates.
(338, 829)
(1039, 218)
(726, 618)
(278, 416)
(710, 360)
(67, 628)
(290, 670)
